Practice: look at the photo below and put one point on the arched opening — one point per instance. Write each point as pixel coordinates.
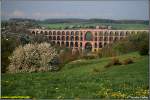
(72, 33)
(101, 39)
(41, 32)
(67, 38)
(95, 45)
(88, 36)
(71, 44)
(33, 32)
(58, 37)
(121, 33)
(67, 33)
(54, 37)
(62, 43)
(76, 33)
(63, 38)
(63, 33)
(76, 44)
(111, 33)
(46, 33)
(80, 44)
(72, 38)
(58, 33)
(58, 43)
(67, 44)
(100, 44)
(76, 38)
(54, 33)
(50, 38)
(88, 47)
(50, 33)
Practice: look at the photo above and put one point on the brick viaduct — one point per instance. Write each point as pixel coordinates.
(82, 39)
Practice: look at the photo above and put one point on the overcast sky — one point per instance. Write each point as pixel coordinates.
(110, 9)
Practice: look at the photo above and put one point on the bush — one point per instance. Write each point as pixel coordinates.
(128, 61)
(32, 58)
(136, 42)
(114, 61)
(66, 56)
(89, 56)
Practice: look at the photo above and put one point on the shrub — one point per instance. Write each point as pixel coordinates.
(32, 58)
(89, 56)
(114, 61)
(66, 56)
(136, 42)
(95, 70)
(128, 61)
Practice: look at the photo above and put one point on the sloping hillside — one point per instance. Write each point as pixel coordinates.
(83, 79)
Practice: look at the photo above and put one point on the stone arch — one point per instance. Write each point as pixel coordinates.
(72, 32)
(50, 37)
(46, 33)
(116, 39)
(111, 38)
(67, 38)
(105, 43)
(54, 37)
(76, 33)
(95, 45)
(33, 32)
(67, 33)
(105, 38)
(80, 44)
(72, 38)
(71, 44)
(100, 38)
(76, 44)
(101, 33)
(63, 33)
(106, 33)
(54, 32)
(100, 45)
(63, 38)
(58, 43)
(88, 36)
(58, 37)
(116, 33)
(77, 38)
(58, 33)
(127, 33)
(111, 33)
(41, 32)
(37, 32)
(121, 33)
(62, 43)
(88, 47)
(67, 44)
(50, 33)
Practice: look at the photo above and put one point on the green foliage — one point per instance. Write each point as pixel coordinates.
(32, 58)
(89, 56)
(114, 61)
(76, 80)
(136, 42)
(128, 61)
(8, 44)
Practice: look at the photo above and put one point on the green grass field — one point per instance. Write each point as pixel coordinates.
(114, 26)
(83, 79)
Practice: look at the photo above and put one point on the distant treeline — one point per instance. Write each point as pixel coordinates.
(76, 20)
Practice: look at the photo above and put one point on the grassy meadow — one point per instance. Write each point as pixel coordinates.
(83, 79)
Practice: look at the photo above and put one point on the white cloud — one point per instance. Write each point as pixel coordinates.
(17, 13)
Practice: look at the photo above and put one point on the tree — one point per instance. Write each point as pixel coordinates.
(33, 58)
